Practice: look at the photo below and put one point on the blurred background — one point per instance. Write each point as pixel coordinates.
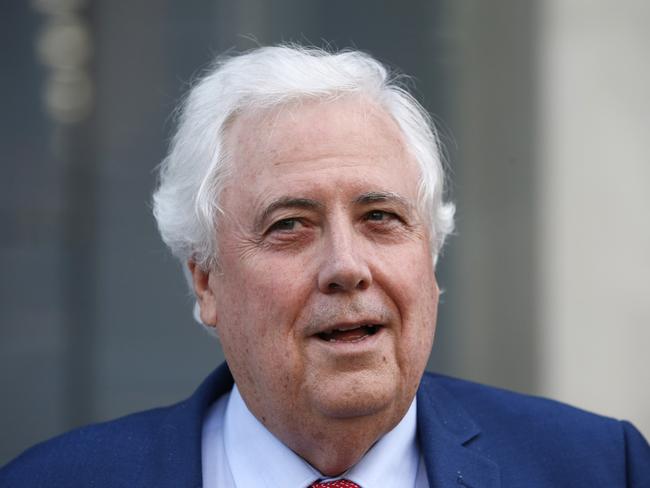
(544, 112)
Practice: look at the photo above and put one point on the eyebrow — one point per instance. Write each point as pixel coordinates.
(382, 196)
(286, 202)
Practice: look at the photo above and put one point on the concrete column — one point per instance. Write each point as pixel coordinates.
(594, 181)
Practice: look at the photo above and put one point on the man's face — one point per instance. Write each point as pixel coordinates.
(324, 298)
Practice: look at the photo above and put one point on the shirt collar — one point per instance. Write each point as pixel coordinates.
(393, 460)
(258, 458)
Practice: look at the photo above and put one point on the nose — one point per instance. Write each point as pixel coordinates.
(344, 265)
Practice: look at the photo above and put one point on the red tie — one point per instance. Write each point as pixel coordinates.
(335, 484)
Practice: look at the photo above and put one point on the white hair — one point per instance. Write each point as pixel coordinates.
(186, 203)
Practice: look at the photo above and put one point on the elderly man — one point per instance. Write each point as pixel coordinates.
(304, 192)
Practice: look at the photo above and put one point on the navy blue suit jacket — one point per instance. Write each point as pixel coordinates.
(470, 435)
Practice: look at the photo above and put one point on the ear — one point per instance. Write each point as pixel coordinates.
(205, 296)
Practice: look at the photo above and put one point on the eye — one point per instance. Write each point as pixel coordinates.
(284, 225)
(379, 215)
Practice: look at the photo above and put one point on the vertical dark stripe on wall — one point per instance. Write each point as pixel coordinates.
(74, 142)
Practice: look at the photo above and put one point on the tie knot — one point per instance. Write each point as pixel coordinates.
(335, 484)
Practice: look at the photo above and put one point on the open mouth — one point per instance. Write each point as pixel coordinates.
(354, 334)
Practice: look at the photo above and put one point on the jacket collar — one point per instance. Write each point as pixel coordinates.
(180, 434)
(445, 433)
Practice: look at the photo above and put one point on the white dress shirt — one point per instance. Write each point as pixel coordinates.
(239, 452)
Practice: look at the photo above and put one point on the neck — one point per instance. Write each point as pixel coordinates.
(333, 446)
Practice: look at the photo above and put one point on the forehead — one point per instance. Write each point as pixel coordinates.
(318, 142)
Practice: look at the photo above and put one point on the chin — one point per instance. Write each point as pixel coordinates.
(353, 395)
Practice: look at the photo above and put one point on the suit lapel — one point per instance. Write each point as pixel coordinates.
(445, 432)
(178, 462)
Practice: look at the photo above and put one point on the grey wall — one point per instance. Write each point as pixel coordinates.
(492, 263)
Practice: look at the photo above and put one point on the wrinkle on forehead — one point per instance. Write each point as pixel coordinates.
(264, 131)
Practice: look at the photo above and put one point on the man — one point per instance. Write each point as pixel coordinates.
(304, 192)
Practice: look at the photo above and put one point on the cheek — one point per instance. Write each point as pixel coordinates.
(264, 299)
(411, 284)
(411, 280)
